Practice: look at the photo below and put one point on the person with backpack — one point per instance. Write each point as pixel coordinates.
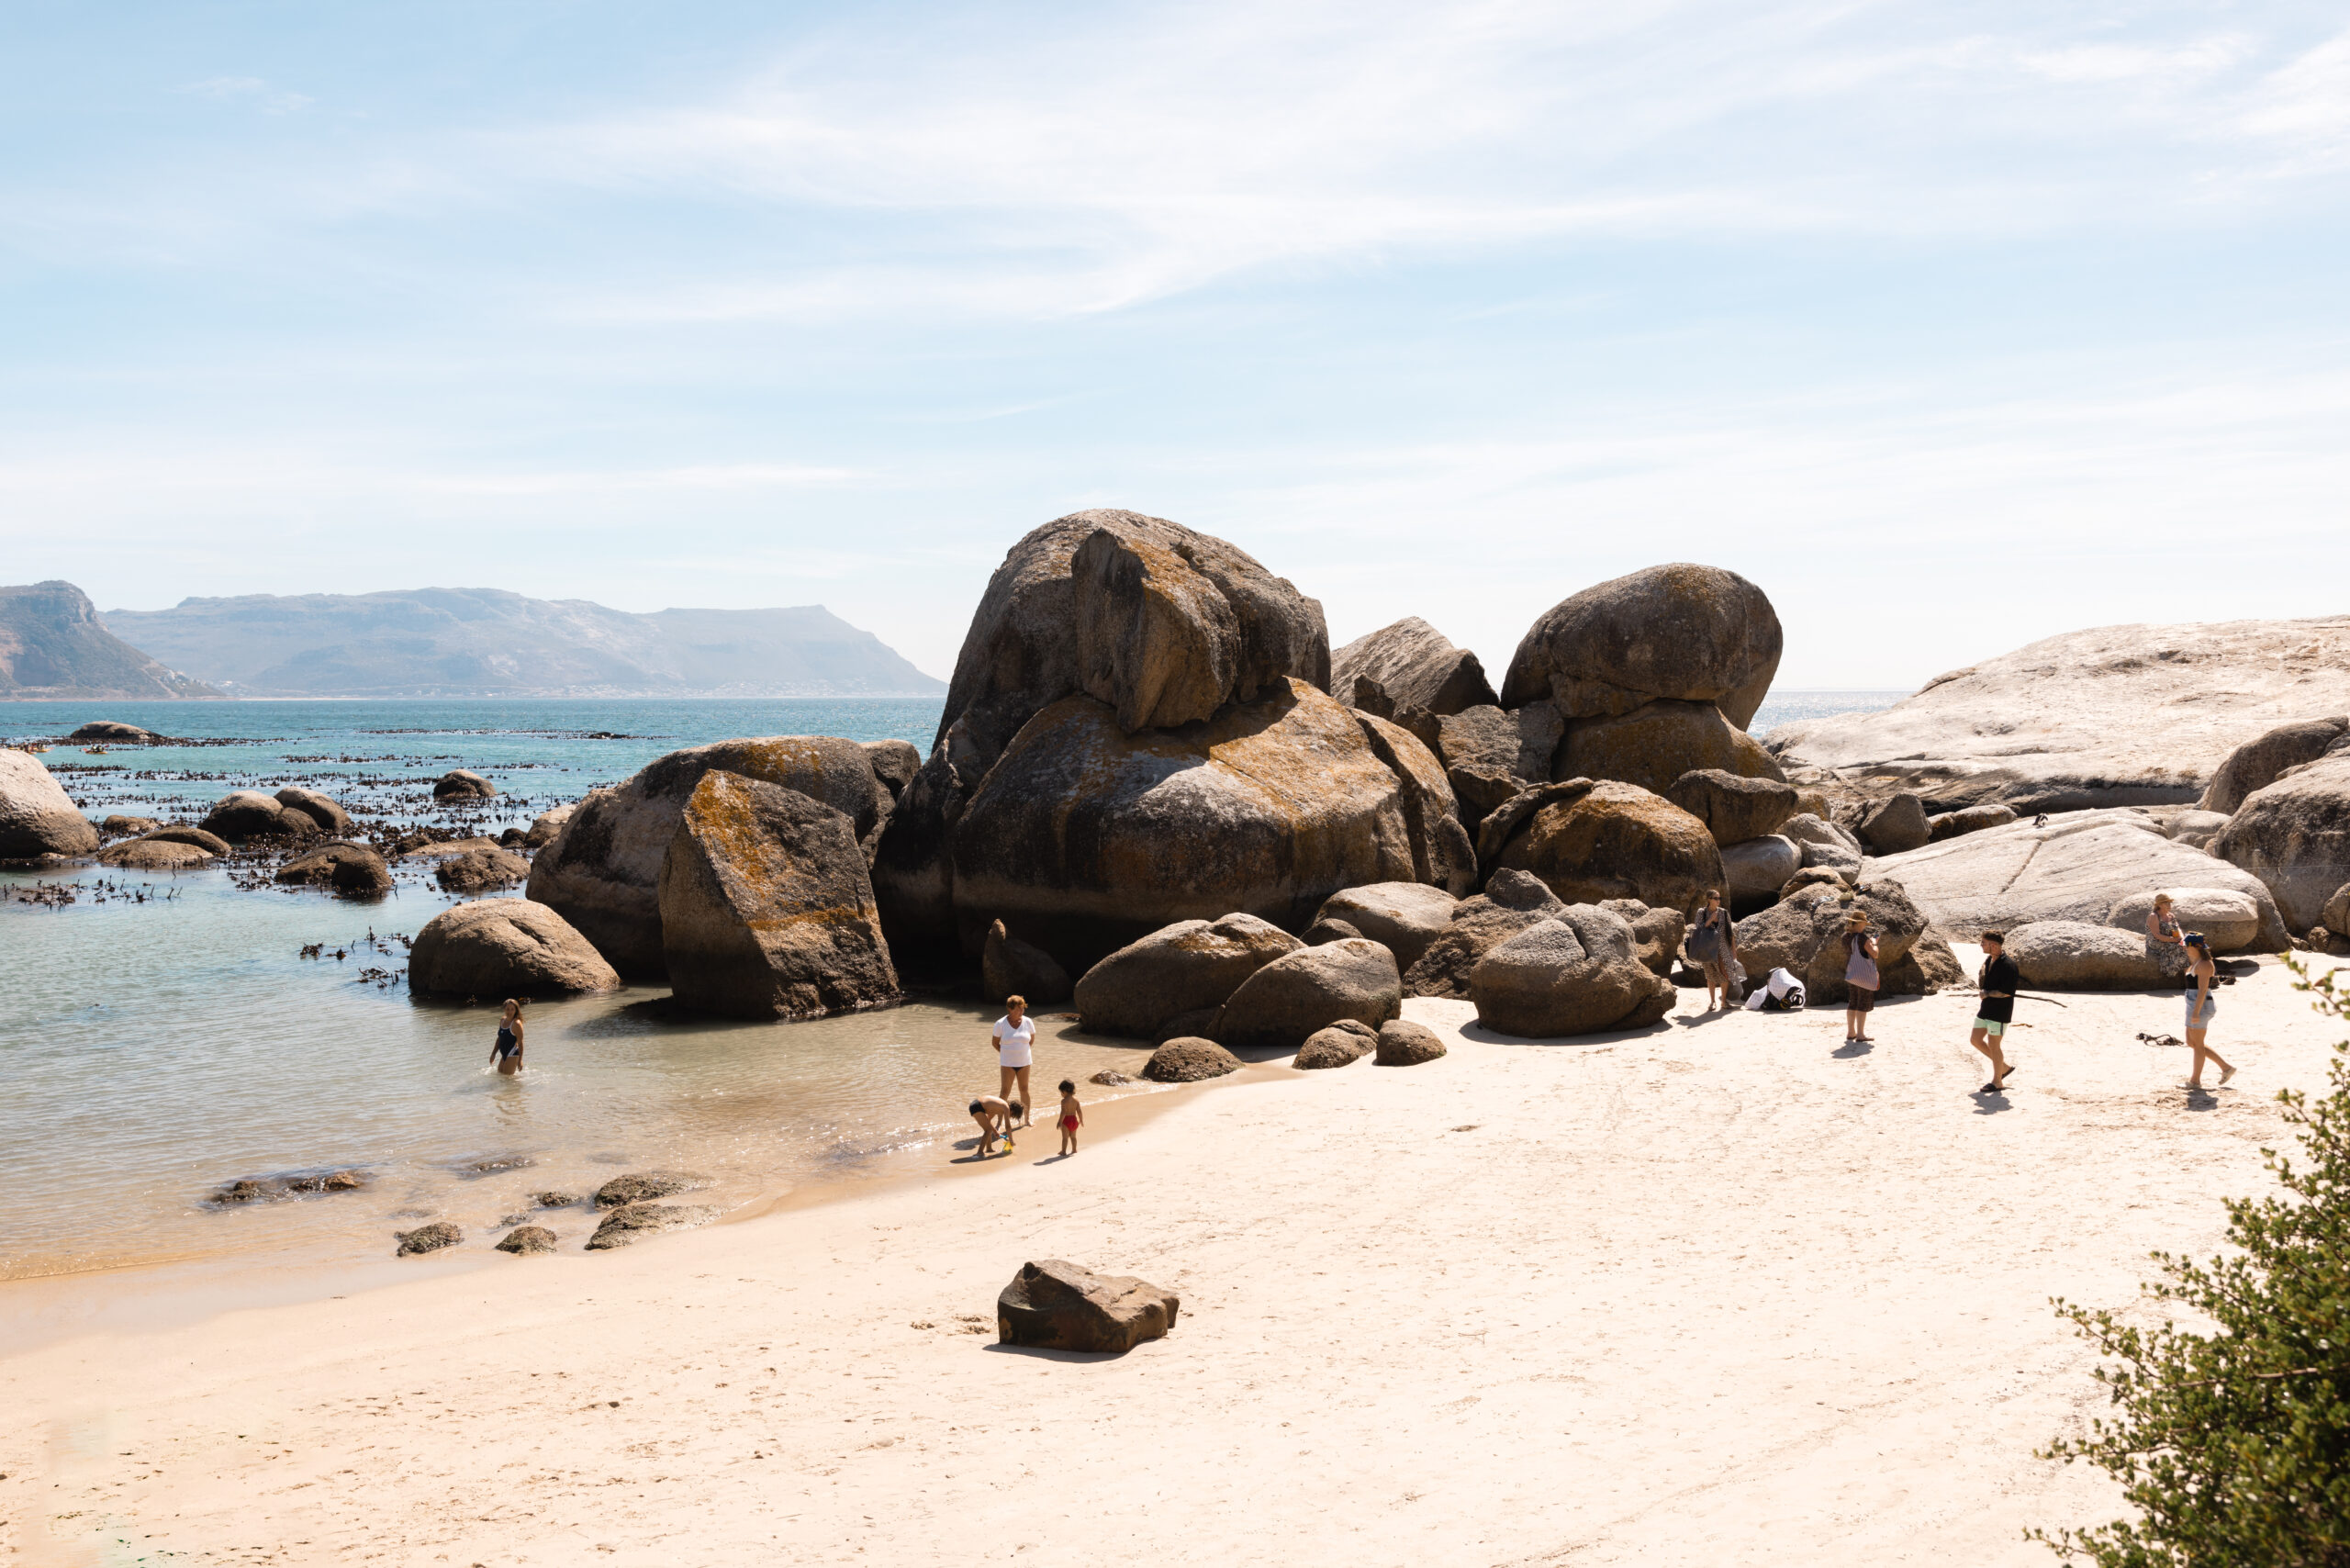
(1712, 945)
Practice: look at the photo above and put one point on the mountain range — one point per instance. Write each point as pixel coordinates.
(52, 646)
(467, 643)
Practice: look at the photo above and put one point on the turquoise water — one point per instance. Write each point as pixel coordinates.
(163, 1036)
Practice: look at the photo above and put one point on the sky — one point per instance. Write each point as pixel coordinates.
(1952, 325)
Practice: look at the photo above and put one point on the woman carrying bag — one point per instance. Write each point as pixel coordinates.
(1712, 945)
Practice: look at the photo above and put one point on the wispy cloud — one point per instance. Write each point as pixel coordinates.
(250, 89)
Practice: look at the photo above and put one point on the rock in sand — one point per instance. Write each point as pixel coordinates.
(1055, 1305)
(1341, 1044)
(1575, 973)
(527, 1240)
(1188, 1058)
(624, 1226)
(427, 1238)
(1512, 902)
(1283, 1002)
(1403, 1043)
(2064, 954)
(2229, 918)
(1179, 969)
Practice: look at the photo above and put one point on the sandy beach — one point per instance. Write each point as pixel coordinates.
(1715, 1292)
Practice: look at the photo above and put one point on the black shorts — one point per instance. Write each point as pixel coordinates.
(1859, 999)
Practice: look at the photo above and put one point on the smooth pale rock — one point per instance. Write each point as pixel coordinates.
(2229, 918)
(1055, 1305)
(1802, 934)
(1734, 807)
(1681, 632)
(641, 1186)
(1809, 828)
(2261, 761)
(1009, 967)
(1182, 968)
(1341, 1044)
(154, 854)
(1971, 819)
(626, 1226)
(2077, 868)
(182, 833)
(528, 1240)
(1758, 867)
(2065, 955)
(1607, 840)
(1442, 855)
(481, 871)
(1656, 933)
(119, 824)
(603, 871)
(2197, 828)
(352, 870)
(1403, 1043)
(1895, 824)
(1085, 836)
(1657, 743)
(1188, 1059)
(1416, 666)
(462, 784)
(1512, 902)
(547, 826)
(1574, 974)
(1289, 999)
(425, 1238)
(2114, 716)
(495, 949)
(241, 814)
(115, 733)
(324, 811)
(2294, 835)
(1403, 917)
(765, 908)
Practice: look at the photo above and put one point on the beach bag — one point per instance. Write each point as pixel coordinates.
(1704, 944)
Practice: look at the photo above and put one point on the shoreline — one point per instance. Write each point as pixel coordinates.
(1715, 1291)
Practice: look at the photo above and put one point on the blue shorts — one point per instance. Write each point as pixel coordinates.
(1991, 1026)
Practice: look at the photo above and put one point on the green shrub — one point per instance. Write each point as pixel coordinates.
(2232, 1443)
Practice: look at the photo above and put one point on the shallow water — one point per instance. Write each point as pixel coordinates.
(161, 1036)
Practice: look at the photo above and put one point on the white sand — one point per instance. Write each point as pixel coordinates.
(1710, 1294)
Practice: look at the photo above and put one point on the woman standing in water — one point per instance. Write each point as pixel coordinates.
(506, 1054)
(2200, 1010)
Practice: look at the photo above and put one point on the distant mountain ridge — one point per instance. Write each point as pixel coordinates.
(491, 642)
(52, 647)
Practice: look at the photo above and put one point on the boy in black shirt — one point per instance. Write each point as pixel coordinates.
(1999, 982)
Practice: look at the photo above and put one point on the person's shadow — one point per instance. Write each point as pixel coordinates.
(1851, 1049)
(1991, 1102)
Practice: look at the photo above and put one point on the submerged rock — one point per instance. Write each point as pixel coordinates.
(430, 1237)
(354, 871)
(153, 854)
(480, 870)
(525, 1241)
(462, 784)
(37, 817)
(638, 1186)
(623, 1226)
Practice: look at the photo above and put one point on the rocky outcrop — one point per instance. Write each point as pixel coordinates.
(2294, 835)
(37, 817)
(1403, 917)
(1895, 824)
(603, 872)
(547, 826)
(1734, 807)
(113, 732)
(644, 1186)
(2231, 919)
(2065, 955)
(352, 870)
(2260, 762)
(501, 947)
(1053, 1305)
(1009, 967)
(1283, 1002)
(244, 815)
(1512, 902)
(528, 1240)
(1187, 1059)
(1656, 743)
(1575, 973)
(1970, 819)
(1416, 666)
(1758, 867)
(154, 854)
(1480, 744)
(1682, 633)
(1184, 967)
(1403, 1043)
(324, 811)
(1085, 836)
(637, 1222)
(480, 870)
(1592, 842)
(459, 784)
(1340, 1045)
(765, 909)
(426, 1238)
(2075, 869)
(1442, 857)
(1802, 934)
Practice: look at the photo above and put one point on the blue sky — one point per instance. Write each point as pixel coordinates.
(1952, 325)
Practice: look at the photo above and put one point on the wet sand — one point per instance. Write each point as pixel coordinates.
(1719, 1291)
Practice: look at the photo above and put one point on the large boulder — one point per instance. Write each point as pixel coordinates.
(767, 911)
(1686, 632)
(1009, 967)
(1895, 824)
(352, 870)
(2231, 919)
(1656, 933)
(1592, 842)
(2294, 835)
(1289, 999)
(1512, 902)
(2260, 762)
(243, 814)
(1574, 973)
(2066, 955)
(1758, 867)
(1654, 745)
(1053, 1305)
(603, 871)
(2077, 868)
(1085, 836)
(1442, 855)
(1518, 744)
(2196, 827)
(37, 817)
(1802, 934)
(1403, 917)
(1415, 665)
(324, 811)
(480, 869)
(1188, 1059)
(1187, 966)
(500, 948)
(461, 784)
(894, 764)
(1735, 807)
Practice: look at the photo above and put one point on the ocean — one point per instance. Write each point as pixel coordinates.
(162, 1036)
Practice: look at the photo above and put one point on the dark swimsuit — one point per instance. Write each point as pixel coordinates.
(506, 1045)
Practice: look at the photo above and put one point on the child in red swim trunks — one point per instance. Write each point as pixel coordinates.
(1072, 1117)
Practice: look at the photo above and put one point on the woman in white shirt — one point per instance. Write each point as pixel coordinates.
(1015, 1039)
